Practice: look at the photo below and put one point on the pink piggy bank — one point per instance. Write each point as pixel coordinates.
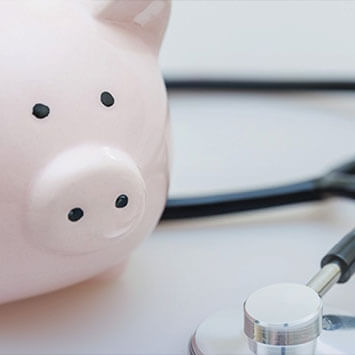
(84, 138)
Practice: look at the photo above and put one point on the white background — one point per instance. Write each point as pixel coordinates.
(187, 270)
(261, 38)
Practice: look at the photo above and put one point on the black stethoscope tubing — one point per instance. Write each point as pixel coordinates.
(339, 182)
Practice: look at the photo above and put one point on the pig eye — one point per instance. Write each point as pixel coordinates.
(40, 111)
(122, 201)
(107, 99)
(75, 214)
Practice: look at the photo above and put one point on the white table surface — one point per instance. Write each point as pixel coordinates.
(187, 270)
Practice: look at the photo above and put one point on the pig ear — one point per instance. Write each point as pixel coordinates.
(147, 18)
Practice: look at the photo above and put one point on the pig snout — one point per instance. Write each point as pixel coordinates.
(84, 200)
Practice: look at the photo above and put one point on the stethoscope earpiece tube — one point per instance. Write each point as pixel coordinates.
(339, 182)
(343, 254)
(205, 206)
(277, 86)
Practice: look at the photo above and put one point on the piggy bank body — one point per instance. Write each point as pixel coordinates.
(83, 138)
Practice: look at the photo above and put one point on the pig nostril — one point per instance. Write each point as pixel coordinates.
(75, 214)
(40, 111)
(107, 99)
(122, 201)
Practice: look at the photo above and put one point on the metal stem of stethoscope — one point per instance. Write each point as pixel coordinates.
(285, 318)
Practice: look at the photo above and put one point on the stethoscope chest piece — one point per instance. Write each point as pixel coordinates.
(283, 318)
(223, 333)
(286, 318)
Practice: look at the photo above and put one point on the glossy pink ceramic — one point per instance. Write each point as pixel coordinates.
(84, 137)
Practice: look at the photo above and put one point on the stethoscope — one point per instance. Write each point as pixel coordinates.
(286, 318)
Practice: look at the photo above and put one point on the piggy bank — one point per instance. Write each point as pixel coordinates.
(84, 138)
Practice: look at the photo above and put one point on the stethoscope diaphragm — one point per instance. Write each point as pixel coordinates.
(222, 334)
